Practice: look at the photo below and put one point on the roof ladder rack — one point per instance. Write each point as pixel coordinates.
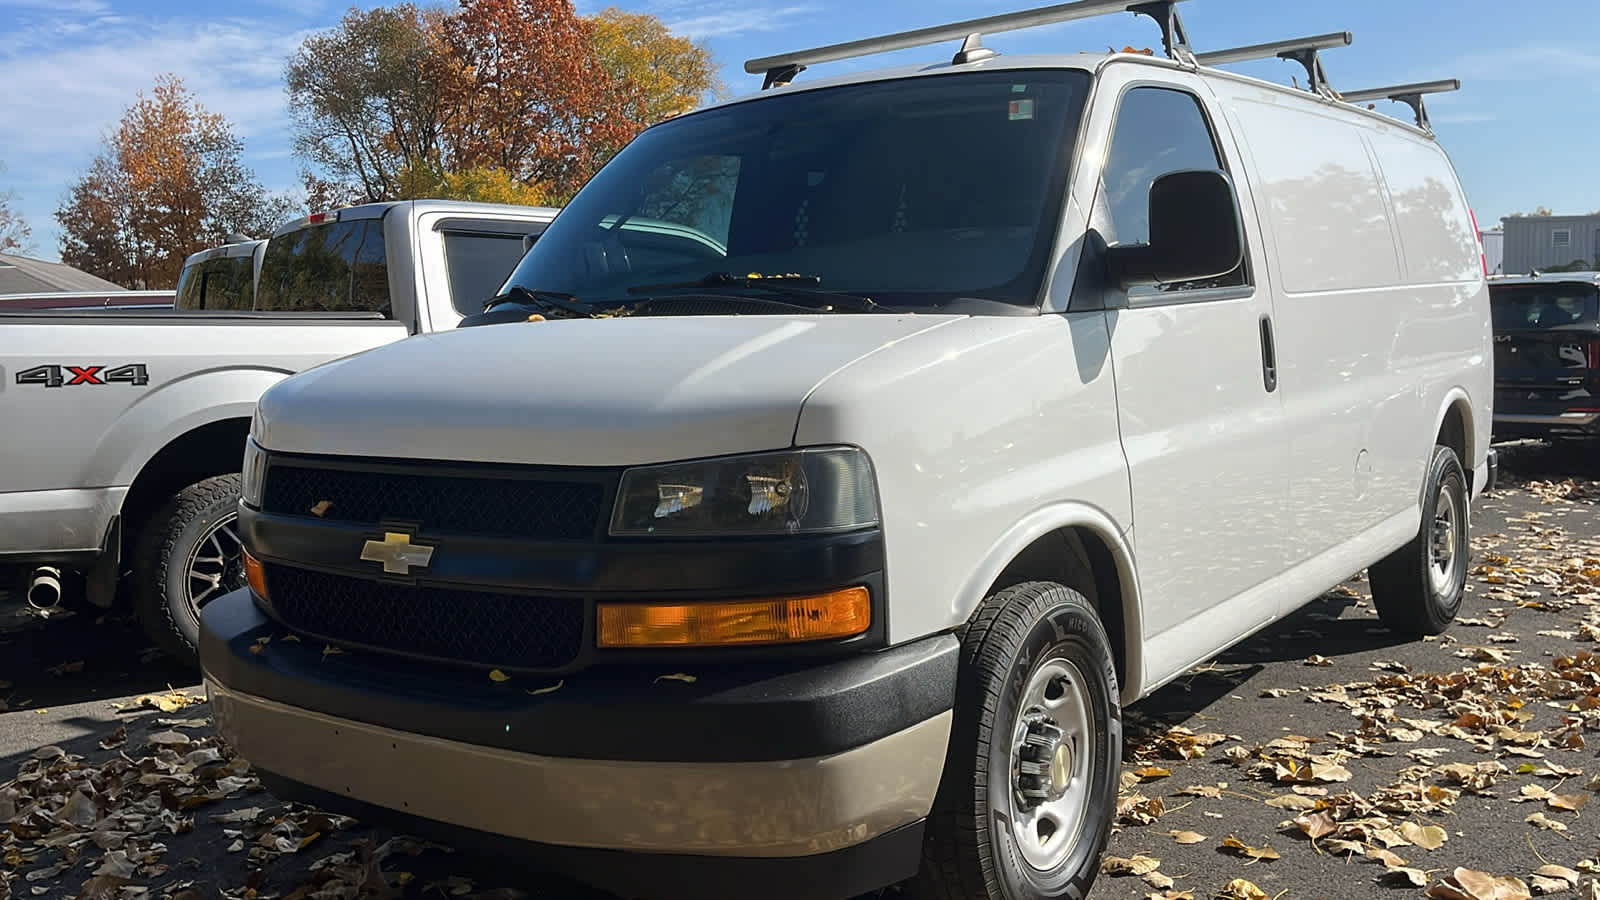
(1301, 50)
(781, 69)
(1409, 94)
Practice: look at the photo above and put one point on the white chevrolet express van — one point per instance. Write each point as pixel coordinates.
(814, 544)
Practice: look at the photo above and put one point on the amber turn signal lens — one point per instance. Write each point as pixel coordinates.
(780, 620)
(254, 575)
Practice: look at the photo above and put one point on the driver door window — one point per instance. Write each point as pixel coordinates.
(1158, 130)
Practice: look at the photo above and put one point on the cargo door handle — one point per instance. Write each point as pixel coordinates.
(1269, 356)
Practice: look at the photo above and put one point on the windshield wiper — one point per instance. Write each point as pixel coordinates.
(782, 285)
(544, 300)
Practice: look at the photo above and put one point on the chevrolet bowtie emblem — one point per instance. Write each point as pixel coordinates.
(397, 553)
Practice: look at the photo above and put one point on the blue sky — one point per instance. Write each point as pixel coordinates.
(1524, 131)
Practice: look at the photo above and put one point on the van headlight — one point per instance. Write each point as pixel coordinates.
(806, 491)
(253, 474)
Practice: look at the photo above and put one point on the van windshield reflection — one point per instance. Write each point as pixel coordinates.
(913, 193)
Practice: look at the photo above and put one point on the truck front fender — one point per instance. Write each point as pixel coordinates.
(171, 411)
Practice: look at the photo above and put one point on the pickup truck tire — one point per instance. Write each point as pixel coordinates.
(1417, 590)
(1037, 711)
(187, 554)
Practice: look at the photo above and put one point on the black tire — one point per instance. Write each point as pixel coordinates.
(1405, 593)
(969, 851)
(180, 532)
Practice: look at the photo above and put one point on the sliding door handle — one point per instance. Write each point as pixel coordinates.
(1269, 356)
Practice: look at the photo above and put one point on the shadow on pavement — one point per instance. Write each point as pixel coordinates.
(78, 654)
(1535, 460)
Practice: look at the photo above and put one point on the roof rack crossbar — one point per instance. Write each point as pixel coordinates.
(1409, 94)
(782, 68)
(1301, 50)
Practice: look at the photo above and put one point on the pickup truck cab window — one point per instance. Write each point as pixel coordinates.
(918, 192)
(332, 267)
(221, 283)
(477, 263)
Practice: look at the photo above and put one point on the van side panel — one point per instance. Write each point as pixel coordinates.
(1337, 307)
(1381, 310)
(1448, 343)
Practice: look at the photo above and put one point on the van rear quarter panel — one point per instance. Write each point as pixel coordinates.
(1380, 304)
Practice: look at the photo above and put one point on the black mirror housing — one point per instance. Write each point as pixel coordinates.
(1195, 232)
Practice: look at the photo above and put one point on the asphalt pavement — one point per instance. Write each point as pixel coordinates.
(1320, 758)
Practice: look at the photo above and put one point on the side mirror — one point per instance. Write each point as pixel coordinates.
(1195, 232)
(528, 239)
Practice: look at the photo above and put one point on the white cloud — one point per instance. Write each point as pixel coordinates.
(1531, 63)
(733, 22)
(91, 7)
(1465, 118)
(75, 74)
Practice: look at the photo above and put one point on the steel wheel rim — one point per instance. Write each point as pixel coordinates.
(215, 564)
(1444, 541)
(1047, 828)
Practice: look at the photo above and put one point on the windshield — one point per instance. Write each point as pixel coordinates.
(915, 192)
(1543, 306)
(220, 283)
(332, 267)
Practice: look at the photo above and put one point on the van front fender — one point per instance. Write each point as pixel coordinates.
(1095, 523)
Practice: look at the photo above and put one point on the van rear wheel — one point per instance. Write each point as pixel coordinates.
(1418, 589)
(1030, 781)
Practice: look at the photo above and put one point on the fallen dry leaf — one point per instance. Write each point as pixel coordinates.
(1255, 853)
(1240, 889)
(1552, 879)
(1292, 801)
(1428, 837)
(1316, 825)
(1402, 876)
(1470, 884)
(1138, 864)
(1158, 880)
(1539, 820)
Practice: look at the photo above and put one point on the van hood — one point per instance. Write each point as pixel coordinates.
(576, 392)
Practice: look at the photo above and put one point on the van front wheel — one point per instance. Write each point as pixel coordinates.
(1418, 589)
(1030, 780)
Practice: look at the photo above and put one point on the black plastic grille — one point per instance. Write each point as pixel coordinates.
(512, 507)
(511, 631)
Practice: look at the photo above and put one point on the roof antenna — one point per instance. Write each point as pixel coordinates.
(972, 50)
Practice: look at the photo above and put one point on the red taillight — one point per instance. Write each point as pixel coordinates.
(1594, 355)
(319, 218)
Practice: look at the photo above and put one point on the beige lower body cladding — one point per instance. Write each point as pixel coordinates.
(754, 809)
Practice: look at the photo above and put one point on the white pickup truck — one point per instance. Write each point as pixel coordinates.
(126, 429)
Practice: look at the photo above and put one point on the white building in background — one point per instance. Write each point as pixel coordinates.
(1494, 250)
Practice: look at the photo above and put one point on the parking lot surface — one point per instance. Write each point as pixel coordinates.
(1321, 758)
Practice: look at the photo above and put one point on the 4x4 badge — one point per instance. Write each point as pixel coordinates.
(397, 553)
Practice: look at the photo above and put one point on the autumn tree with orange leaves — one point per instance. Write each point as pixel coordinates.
(515, 101)
(167, 182)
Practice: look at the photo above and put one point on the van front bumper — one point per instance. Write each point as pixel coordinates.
(803, 780)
